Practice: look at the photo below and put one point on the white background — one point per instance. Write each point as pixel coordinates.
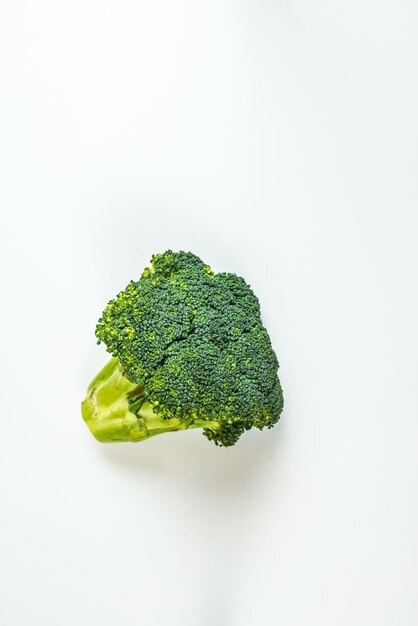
(277, 140)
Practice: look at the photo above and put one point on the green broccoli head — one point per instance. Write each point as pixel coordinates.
(189, 351)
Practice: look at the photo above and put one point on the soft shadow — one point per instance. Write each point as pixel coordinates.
(219, 494)
(188, 459)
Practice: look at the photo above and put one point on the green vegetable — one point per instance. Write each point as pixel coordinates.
(189, 351)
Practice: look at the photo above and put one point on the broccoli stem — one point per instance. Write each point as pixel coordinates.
(107, 410)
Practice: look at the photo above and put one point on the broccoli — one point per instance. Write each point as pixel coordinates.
(189, 351)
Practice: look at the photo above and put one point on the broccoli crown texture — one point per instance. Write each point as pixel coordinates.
(191, 346)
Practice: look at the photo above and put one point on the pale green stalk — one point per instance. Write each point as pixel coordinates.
(106, 410)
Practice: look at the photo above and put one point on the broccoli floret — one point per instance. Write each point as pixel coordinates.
(189, 351)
